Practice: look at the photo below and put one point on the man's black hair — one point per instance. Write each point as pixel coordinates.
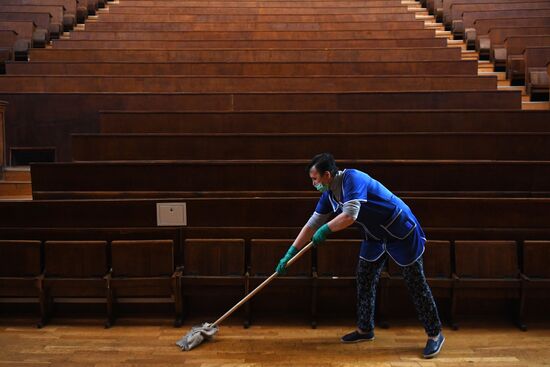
(323, 162)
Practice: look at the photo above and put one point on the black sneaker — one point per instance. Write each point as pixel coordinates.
(433, 347)
(356, 337)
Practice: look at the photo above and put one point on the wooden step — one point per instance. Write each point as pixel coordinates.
(17, 174)
(15, 188)
(527, 105)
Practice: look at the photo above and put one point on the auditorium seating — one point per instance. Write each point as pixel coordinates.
(68, 19)
(100, 147)
(143, 271)
(21, 273)
(484, 26)
(489, 266)
(536, 78)
(282, 178)
(74, 272)
(535, 275)
(285, 294)
(334, 276)
(56, 12)
(181, 122)
(213, 272)
(438, 264)
(463, 28)
(220, 105)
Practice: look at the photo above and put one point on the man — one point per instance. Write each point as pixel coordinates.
(389, 228)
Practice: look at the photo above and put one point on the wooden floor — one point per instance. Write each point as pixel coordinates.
(69, 342)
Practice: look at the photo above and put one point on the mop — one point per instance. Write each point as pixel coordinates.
(206, 331)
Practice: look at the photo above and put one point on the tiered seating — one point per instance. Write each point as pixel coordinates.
(504, 32)
(220, 105)
(35, 22)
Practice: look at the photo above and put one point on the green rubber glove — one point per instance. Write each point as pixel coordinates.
(281, 268)
(321, 235)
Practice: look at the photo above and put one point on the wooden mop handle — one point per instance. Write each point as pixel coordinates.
(261, 286)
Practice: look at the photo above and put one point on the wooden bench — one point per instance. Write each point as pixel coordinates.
(7, 42)
(25, 34)
(100, 180)
(132, 4)
(513, 49)
(484, 26)
(525, 218)
(243, 84)
(253, 44)
(55, 27)
(115, 147)
(79, 110)
(498, 36)
(250, 55)
(179, 122)
(491, 267)
(471, 17)
(411, 32)
(257, 26)
(536, 77)
(69, 15)
(258, 8)
(434, 68)
(239, 10)
(41, 35)
(221, 19)
(453, 10)
(469, 13)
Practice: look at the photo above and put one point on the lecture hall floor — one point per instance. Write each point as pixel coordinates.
(85, 342)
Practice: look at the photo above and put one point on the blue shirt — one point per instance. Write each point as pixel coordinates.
(387, 222)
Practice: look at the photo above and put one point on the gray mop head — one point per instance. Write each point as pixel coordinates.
(196, 336)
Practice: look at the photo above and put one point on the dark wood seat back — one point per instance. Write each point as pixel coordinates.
(535, 259)
(338, 258)
(20, 258)
(75, 259)
(214, 257)
(265, 255)
(142, 258)
(486, 259)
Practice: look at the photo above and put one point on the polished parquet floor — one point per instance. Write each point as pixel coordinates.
(150, 342)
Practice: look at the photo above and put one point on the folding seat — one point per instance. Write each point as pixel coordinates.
(288, 294)
(487, 270)
(142, 271)
(75, 272)
(334, 276)
(437, 265)
(21, 273)
(213, 276)
(536, 272)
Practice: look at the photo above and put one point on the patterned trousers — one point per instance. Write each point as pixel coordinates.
(368, 274)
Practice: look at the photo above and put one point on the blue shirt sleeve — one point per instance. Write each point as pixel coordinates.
(324, 206)
(354, 186)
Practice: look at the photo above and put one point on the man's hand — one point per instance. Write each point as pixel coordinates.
(321, 235)
(281, 267)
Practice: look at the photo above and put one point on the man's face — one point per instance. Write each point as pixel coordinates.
(317, 178)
